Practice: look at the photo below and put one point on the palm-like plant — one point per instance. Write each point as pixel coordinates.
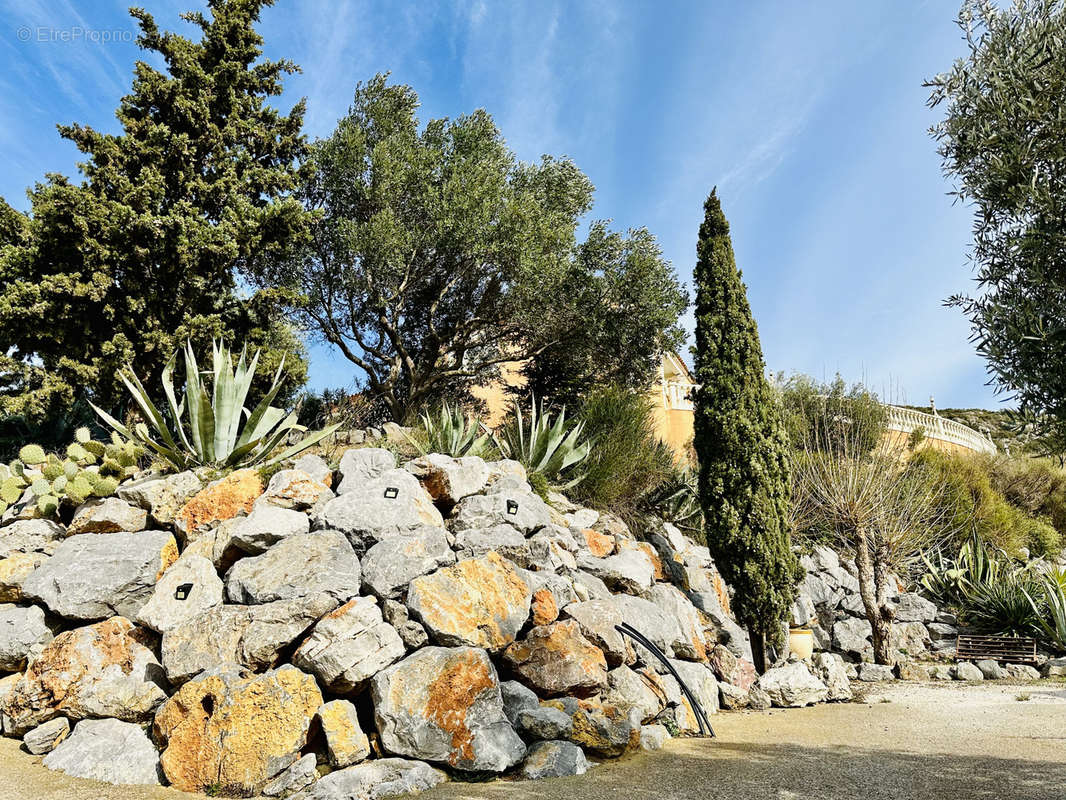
(553, 449)
(215, 436)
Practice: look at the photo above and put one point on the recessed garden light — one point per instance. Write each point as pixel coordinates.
(512, 507)
(183, 591)
(391, 492)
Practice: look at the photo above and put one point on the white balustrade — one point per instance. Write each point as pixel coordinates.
(906, 420)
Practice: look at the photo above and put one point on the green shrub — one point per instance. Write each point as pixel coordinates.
(1048, 601)
(628, 461)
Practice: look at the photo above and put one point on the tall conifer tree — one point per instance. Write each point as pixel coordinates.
(740, 441)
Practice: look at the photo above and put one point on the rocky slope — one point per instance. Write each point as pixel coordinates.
(361, 633)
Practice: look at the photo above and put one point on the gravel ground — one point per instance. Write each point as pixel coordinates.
(941, 741)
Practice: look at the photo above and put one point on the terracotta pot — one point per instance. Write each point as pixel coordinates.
(801, 642)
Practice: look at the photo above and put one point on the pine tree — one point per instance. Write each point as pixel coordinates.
(740, 441)
(145, 251)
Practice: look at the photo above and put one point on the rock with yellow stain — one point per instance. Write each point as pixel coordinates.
(556, 659)
(101, 670)
(602, 729)
(480, 602)
(599, 544)
(224, 499)
(599, 621)
(443, 704)
(14, 570)
(230, 731)
(544, 610)
(294, 488)
(94, 576)
(346, 744)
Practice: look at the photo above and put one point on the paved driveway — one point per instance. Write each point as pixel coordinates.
(941, 742)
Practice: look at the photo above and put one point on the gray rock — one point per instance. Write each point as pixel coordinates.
(443, 704)
(376, 780)
(361, 466)
(792, 686)
(543, 722)
(267, 525)
(653, 737)
(297, 490)
(253, 636)
(412, 633)
(93, 577)
(316, 467)
(23, 634)
(351, 645)
(689, 641)
(107, 750)
(912, 671)
(391, 564)
(320, 562)
(909, 638)
(730, 697)
(448, 480)
(872, 673)
(820, 592)
(758, 700)
(825, 558)
(631, 571)
(1022, 672)
(597, 620)
(589, 587)
(966, 671)
(107, 515)
(853, 605)
(940, 672)
(346, 744)
(629, 688)
(188, 588)
(845, 580)
(392, 503)
(46, 737)
(701, 682)
(161, 496)
(941, 631)
(504, 539)
(1054, 668)
(648, 619)
(852, 637)
(912, 607)
(830, 668)
(729, 633)
(802, 611)
(14, 570)
(298, 776)
(522, 510)
(583, 518)
(554, 759)
(946, 618)
(30, 536)
(551, 550)
(516, 698)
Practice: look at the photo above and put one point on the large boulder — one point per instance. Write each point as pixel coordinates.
(320, 562)
(346, 744)
(162, 497)
(689, 641)
(349, 646)
(728, 667)
(296, 489)
(650, 620)
(912, 607)
(444, 705)
(600, 728)
(830, 668)
(376, 780)
(504, 539)
(700, 680)
(598, 620)
(13, 572)
(316, 467)
(852, 637)
(23, 634)
(392, 503)
(792, 686)
(230, 731)
(542, 723)
(30, 536)
(909, 639)
(391, 564)
(267, 525)
(107, 515)
(554, 759)
(522, 510)
(107, 750)
(93, 577)
(480, 602)
(227, 498)
(630, 688)
(301, 774)
(253, 636)
(102, 670)
(448, 480)
(556, 659)
(360, 466)
(631, 571)
(47, 736)
(188, 588)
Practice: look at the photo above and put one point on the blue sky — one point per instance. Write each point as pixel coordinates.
(809, 117)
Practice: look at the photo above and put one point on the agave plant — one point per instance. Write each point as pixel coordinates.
(453, 433)
(677, 501)
(553, 449)
(1049, 605)
(948, 580)
(215, 435)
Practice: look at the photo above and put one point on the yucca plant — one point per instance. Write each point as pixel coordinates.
(215, 435)
(552, 448)
(452, 433)
(1002, 607)
(1048, 602)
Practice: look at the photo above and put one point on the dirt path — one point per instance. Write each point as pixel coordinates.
(941, 742)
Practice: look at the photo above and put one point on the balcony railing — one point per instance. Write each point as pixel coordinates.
(906, 420)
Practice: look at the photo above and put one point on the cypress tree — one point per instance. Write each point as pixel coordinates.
(740, 442)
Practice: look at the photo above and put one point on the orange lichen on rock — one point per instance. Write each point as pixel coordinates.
(452, 695)
(600, 544)
(557, 659)
(222, 500)
(545, 609)
(721, 591)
